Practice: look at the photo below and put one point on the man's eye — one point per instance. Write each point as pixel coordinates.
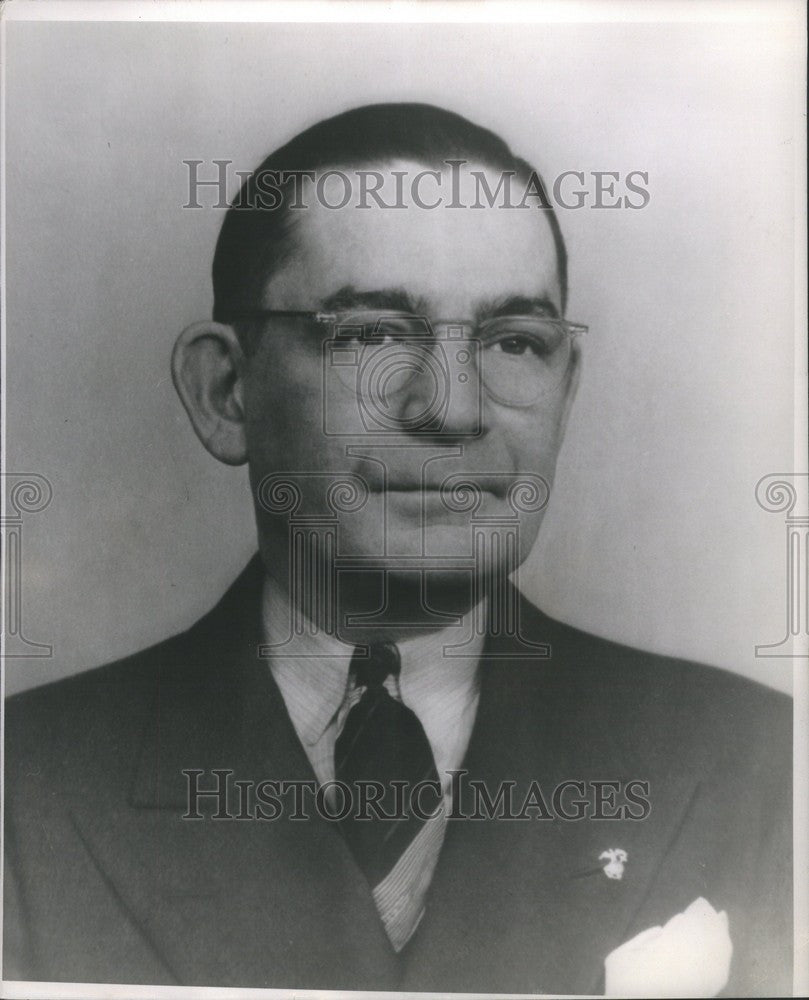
(514, 345)
(519, 346)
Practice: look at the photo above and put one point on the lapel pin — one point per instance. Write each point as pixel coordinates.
(616, 858)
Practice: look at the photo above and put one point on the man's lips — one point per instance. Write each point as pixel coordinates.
(497, 487)
(411, 470)
(431, 477)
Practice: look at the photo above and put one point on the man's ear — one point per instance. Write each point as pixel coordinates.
(207, 366)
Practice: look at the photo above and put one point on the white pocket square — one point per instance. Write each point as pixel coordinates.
(688, 957)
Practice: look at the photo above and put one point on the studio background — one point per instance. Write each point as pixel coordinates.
(653, 536)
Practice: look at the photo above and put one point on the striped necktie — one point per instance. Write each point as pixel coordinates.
(383, 742)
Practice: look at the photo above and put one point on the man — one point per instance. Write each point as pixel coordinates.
(374, 765)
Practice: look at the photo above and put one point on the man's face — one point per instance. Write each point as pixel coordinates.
(304, 417)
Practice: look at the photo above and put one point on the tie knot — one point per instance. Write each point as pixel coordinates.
(381, 662)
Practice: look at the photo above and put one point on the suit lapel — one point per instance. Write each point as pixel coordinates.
(510, 908)
(226, 901)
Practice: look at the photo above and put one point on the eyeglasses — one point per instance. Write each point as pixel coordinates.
(519, 359)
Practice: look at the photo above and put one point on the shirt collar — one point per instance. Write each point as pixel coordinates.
(312, 667)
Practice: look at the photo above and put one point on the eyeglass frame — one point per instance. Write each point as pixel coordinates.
(320, 316)
(570, 328)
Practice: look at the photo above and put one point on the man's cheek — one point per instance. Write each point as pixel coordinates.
(535, 442)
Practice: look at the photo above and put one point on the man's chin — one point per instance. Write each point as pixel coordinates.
(431, 546)
(437, 553)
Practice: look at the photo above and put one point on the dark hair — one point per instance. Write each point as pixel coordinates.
(254, 240)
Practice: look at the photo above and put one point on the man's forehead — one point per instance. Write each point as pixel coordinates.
(450, 259)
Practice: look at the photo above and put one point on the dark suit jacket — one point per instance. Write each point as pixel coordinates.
(106, 881)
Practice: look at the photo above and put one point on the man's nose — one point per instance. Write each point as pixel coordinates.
(444, 395)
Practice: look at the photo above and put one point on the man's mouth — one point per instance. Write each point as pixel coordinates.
(433, 478)
(482, 484)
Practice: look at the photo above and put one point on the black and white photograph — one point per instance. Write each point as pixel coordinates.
(405, 499)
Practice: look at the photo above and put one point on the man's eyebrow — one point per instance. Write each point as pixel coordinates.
(513, 305)
(398, 299)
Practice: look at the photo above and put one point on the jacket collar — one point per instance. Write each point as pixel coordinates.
(214, 701)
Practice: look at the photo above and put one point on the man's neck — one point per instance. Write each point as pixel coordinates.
(377, 606)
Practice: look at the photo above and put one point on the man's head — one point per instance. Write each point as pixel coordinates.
(254, 244)
(405, 412)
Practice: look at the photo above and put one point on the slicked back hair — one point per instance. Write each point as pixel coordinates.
(255, 240)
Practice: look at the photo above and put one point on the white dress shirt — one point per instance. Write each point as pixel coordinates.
(311, 669)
